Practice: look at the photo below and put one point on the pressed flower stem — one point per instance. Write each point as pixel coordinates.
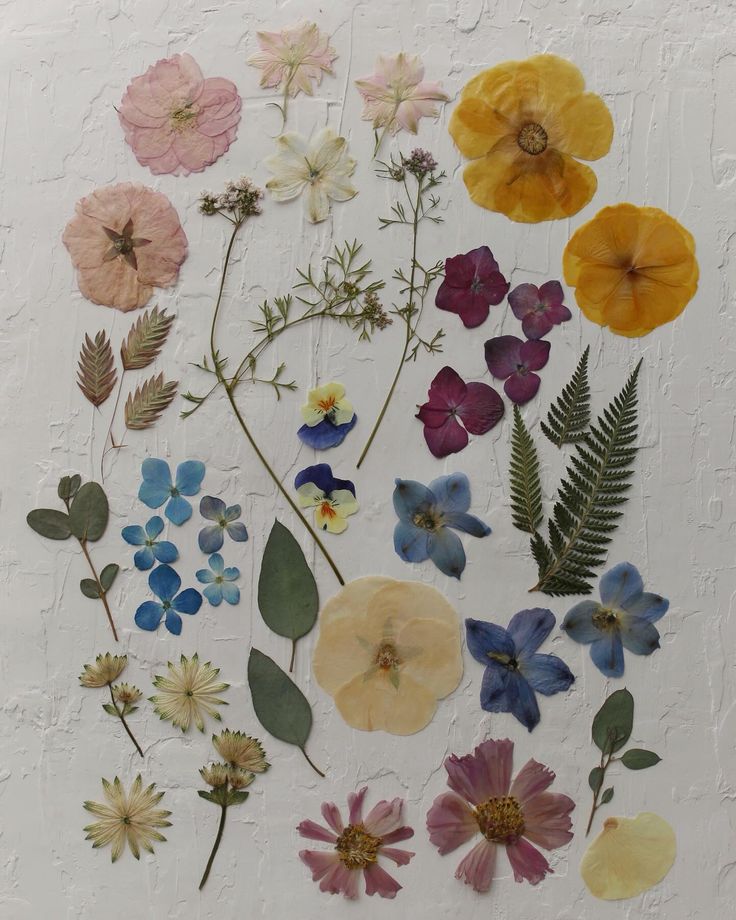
(215, 847)
(109, 436)
(228, 387)
(125, 724)
(311, 763)
(103, 593)
(293, 655)
(604, 766)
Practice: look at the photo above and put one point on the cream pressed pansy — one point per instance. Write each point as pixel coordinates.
(329, 402)
(387, 652)
(333, 499)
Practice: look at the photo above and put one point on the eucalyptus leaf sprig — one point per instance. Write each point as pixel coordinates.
(418, 176)
(123, 697)
(612, 727)
(86, 517)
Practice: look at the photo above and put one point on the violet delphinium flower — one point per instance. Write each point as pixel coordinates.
(514, 669)
(514, 361)
(624, 619)
(452, 402)
(357, 847)
(513, 815)
(154, 550)
(165, 584)
(211, 538)
(472, 283)
(539, 308)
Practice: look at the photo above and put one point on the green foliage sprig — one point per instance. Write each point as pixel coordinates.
(569, 416)
(526, 489)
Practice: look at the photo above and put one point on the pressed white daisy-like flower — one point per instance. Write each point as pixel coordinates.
(319, 166)
(241, 750)
(187, 692)
(126, 694)
(215, 774)
(106, 670)
(127, 816)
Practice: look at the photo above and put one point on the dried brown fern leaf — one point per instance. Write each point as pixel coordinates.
(144, 406)
(146, 339)
(96, 375)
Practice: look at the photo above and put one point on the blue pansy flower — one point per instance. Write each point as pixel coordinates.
(214, 509)
(624, 619)
(333, 499)
(157, 487)
(426, 515)
(153, 550)
(328, 417)
(219, 581)
(514, 669)
(165, 584)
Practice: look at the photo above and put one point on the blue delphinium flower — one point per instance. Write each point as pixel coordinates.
(219, 581)
(514, 669)
(426, 515)
(328, 417)
(157, 487)
(624, 619)
(214, 509)
(165, 584)
(333, 499)
(153, 550)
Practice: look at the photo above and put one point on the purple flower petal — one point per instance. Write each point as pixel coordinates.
(524, 299)
(551, 293)
(536, 325)
(481, 409)
(447, 390)
(449, 438)
(534, 355)
(503, 355)
(520, 388)
(211, 508)
(472, 282)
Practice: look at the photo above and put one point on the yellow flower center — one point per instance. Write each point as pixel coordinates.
(605, 619)
(500, 820)
(387, 656)
(182, 117)
(357, 848)
(532, 139)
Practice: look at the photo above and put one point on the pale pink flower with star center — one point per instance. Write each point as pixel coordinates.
(294, 58)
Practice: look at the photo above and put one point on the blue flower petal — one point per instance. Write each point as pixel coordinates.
(648, 606)
(578, 622)
(529, 629)
(232, 513)
(452, 492)
(134, 534)
(211, 538)
(189, 476)
(156, 485)
(411, 497)
(173, 622)
(178, 510)
(212, 508)
(638, 635)
(205, 576)
(231, 593)
(547, 674)
(493, 690)
(216, 563)
(608, 654)
(320, 474)
(144, 559)
(152, 495)
(620, 584)
(485, 639)
(164, 582)
(189, 601)
(411, 543)
(522, 701)
(148, 615)
(213, 593)
(154, 527)
(467, 523)
(231, 573)
(325, 435)
(237, 532)
(447, 553)
(165, 551)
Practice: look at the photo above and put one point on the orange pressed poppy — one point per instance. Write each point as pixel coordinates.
(525, 125)
(632, 268)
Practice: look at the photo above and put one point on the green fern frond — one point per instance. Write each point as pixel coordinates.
(526, 490)
(590, 496)
(569, 415)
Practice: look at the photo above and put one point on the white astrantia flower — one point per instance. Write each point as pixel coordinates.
(320, 165)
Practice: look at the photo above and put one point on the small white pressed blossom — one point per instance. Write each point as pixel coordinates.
(106, 670)
(241, 750)
(189, 691)
(127, 816)
(320, 165)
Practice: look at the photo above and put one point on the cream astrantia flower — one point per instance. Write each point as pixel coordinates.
(239, 778)
(387, 652)
(215, 774)
(126, 694)
(106, 669)
(327, 401)
(321, 166)
(294, 58)
(241, 750)
(188, 692)
(130, 816)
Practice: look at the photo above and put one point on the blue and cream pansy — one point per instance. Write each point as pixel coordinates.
(211, 538)
(333, 499)
(158, 488)
(219, 581)
(165, 584)
(154, 550)
(328, 417)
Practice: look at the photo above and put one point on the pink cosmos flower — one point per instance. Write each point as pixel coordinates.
(510, 814)
(472, 283)
(451, 401)
(294, 58)
(177, 121)
(124, 240)
(539, 308)
(395, 95)
(514, 361)
(356, 847)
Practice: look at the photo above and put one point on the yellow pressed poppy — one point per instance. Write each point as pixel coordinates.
(525, 125)
(632, 268)
(629, 856)
(387, 652)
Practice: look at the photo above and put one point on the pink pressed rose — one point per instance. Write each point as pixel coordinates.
(294, 58)
(357, 847)
(177, 121)
(452, 402)
(472, 283)
(124, 240)
(510, 814)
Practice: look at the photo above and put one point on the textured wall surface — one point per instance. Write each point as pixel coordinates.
(667, 69)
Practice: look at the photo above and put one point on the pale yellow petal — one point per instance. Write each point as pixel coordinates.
(431, 655)
(354, 599)
(345, 648)
(403, 601)
(376, 704)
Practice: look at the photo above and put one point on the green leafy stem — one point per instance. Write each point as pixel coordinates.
(223, 796)
(113, 709)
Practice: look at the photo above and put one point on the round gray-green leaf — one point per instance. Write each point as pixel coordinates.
(614, 721)
(54, 525)
(639, 759)
(69, 486)
(108, 575)
(89, 512)
(281, 707)
(287, 592)
(89, 588)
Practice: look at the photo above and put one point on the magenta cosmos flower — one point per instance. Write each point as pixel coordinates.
(539, 308)
(472, 283)
(453, 404)
(176, 120)
(514, 815)
(515, 361)
(356, 847)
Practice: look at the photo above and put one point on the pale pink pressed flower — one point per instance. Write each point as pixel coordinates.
(505, 813)
(124, 240)
(177, 121)
(357, 847)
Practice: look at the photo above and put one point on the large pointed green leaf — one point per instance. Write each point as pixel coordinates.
(281, 707)
(54, 525)
(614, 721)
(89, 512)
(287, 591)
